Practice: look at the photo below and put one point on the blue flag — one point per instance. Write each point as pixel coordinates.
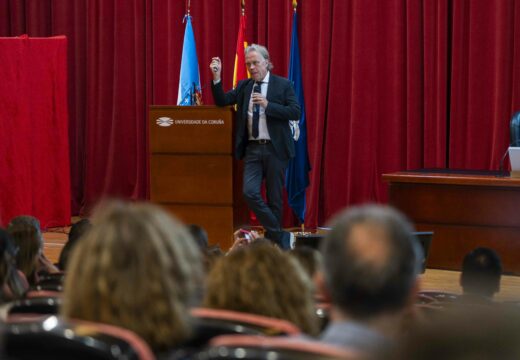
(297, 174)
(189, 80)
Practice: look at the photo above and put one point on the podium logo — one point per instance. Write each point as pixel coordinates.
(164, 121)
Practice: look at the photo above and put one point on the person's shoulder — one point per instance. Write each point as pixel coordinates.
(280, 80)
(241, 86)
(243, 83)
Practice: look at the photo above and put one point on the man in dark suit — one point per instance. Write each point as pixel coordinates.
(265, 105)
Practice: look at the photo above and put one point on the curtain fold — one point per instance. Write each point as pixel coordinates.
(392, 85)
(484, 60)
(117, 100)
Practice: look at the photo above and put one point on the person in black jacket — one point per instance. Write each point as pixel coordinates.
(265, 105)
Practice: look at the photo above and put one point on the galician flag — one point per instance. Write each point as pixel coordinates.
(189, 80)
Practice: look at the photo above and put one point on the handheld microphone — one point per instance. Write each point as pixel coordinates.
(215, 69)
(257, 89)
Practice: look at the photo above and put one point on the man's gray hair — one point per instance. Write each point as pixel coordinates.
(262, 50)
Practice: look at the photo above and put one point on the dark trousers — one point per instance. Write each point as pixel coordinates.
(261, 162)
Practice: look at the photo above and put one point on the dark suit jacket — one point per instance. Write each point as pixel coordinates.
(283, 106)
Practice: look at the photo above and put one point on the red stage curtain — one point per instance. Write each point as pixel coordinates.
(389, 85)
(485, 81)
(107, 89)
(35, 178)
(376, 76)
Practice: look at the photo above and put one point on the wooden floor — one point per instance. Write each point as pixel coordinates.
(432, 279)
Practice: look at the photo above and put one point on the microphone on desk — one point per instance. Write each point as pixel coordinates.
(501, 165)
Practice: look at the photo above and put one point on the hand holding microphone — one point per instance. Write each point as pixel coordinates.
(257, 97)
(216, 68)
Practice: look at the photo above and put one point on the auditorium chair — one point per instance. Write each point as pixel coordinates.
(244, 321)
(441, 296)
(249, 347)
(34, 293)
(33, 307)
(424, 299)
(210, 323)
(59, 339)
(427, 312)
(54, 277)
(50, 282)
(323, 313)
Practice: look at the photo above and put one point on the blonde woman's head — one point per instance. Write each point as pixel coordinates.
(263, 280)
(137, 268)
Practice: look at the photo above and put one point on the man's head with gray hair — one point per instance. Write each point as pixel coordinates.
(370, 261)
(262, 50)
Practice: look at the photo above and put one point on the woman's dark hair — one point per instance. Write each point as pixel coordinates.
(77, 230)
(8, 273)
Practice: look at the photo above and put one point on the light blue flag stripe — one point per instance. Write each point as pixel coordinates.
(189, 80)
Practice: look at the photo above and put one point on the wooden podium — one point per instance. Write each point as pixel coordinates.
(192, 172)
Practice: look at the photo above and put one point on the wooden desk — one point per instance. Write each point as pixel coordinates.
(464, 210)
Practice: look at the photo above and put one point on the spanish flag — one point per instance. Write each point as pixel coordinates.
(240, 72)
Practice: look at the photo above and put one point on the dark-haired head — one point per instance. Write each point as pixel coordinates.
(199, 235)
(77, 231)
(26, 233)
(481, 271)
(370, 261)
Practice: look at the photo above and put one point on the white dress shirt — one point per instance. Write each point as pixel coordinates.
(263, 133)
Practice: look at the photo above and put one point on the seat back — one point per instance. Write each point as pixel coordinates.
(32, 306)
(437, 295)
(280, 348)
(51, 282)
(56, 338)
(54, 277)
(254, 323)
(32, 294)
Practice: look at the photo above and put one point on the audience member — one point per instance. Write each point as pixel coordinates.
(13, 284)
(199, 235)
(137, 268)
(370, 274)
(480, 276)
(78, 230)
(242, 238)
(30, 259)
(210, 253)
(262, 280)
(463, 334)
(309, 258)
